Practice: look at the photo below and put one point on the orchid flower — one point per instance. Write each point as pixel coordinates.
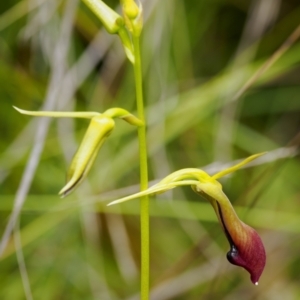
(101, 126)
(246, 247)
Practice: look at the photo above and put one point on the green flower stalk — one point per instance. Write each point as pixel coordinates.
(129, 31)
(246, 247)
(101, 126)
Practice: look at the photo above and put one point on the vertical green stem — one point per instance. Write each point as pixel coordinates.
(144, 202)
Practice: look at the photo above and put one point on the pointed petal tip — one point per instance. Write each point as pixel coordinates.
(61, 195)
(65, 191)
(256, 283)
(117, 201)
(18, 109)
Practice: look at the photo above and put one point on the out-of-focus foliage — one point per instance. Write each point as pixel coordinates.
(196, 56)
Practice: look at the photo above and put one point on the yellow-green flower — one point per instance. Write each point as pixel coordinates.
(246, 247)
(101, 126)
(99, 129)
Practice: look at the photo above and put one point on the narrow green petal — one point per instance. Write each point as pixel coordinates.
(198, 179)
(58, 114)
(158, 188)
(238, 166)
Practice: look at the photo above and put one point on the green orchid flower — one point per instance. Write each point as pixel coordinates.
(101, 126)
(246, 247)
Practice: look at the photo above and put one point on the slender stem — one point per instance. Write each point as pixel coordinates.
(144, 202)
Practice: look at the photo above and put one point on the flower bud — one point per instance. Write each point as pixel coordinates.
(99, 129)
(130, 9)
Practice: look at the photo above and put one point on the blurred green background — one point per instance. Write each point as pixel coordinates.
(197, 56)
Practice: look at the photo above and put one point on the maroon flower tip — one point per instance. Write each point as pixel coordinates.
(247, 251)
